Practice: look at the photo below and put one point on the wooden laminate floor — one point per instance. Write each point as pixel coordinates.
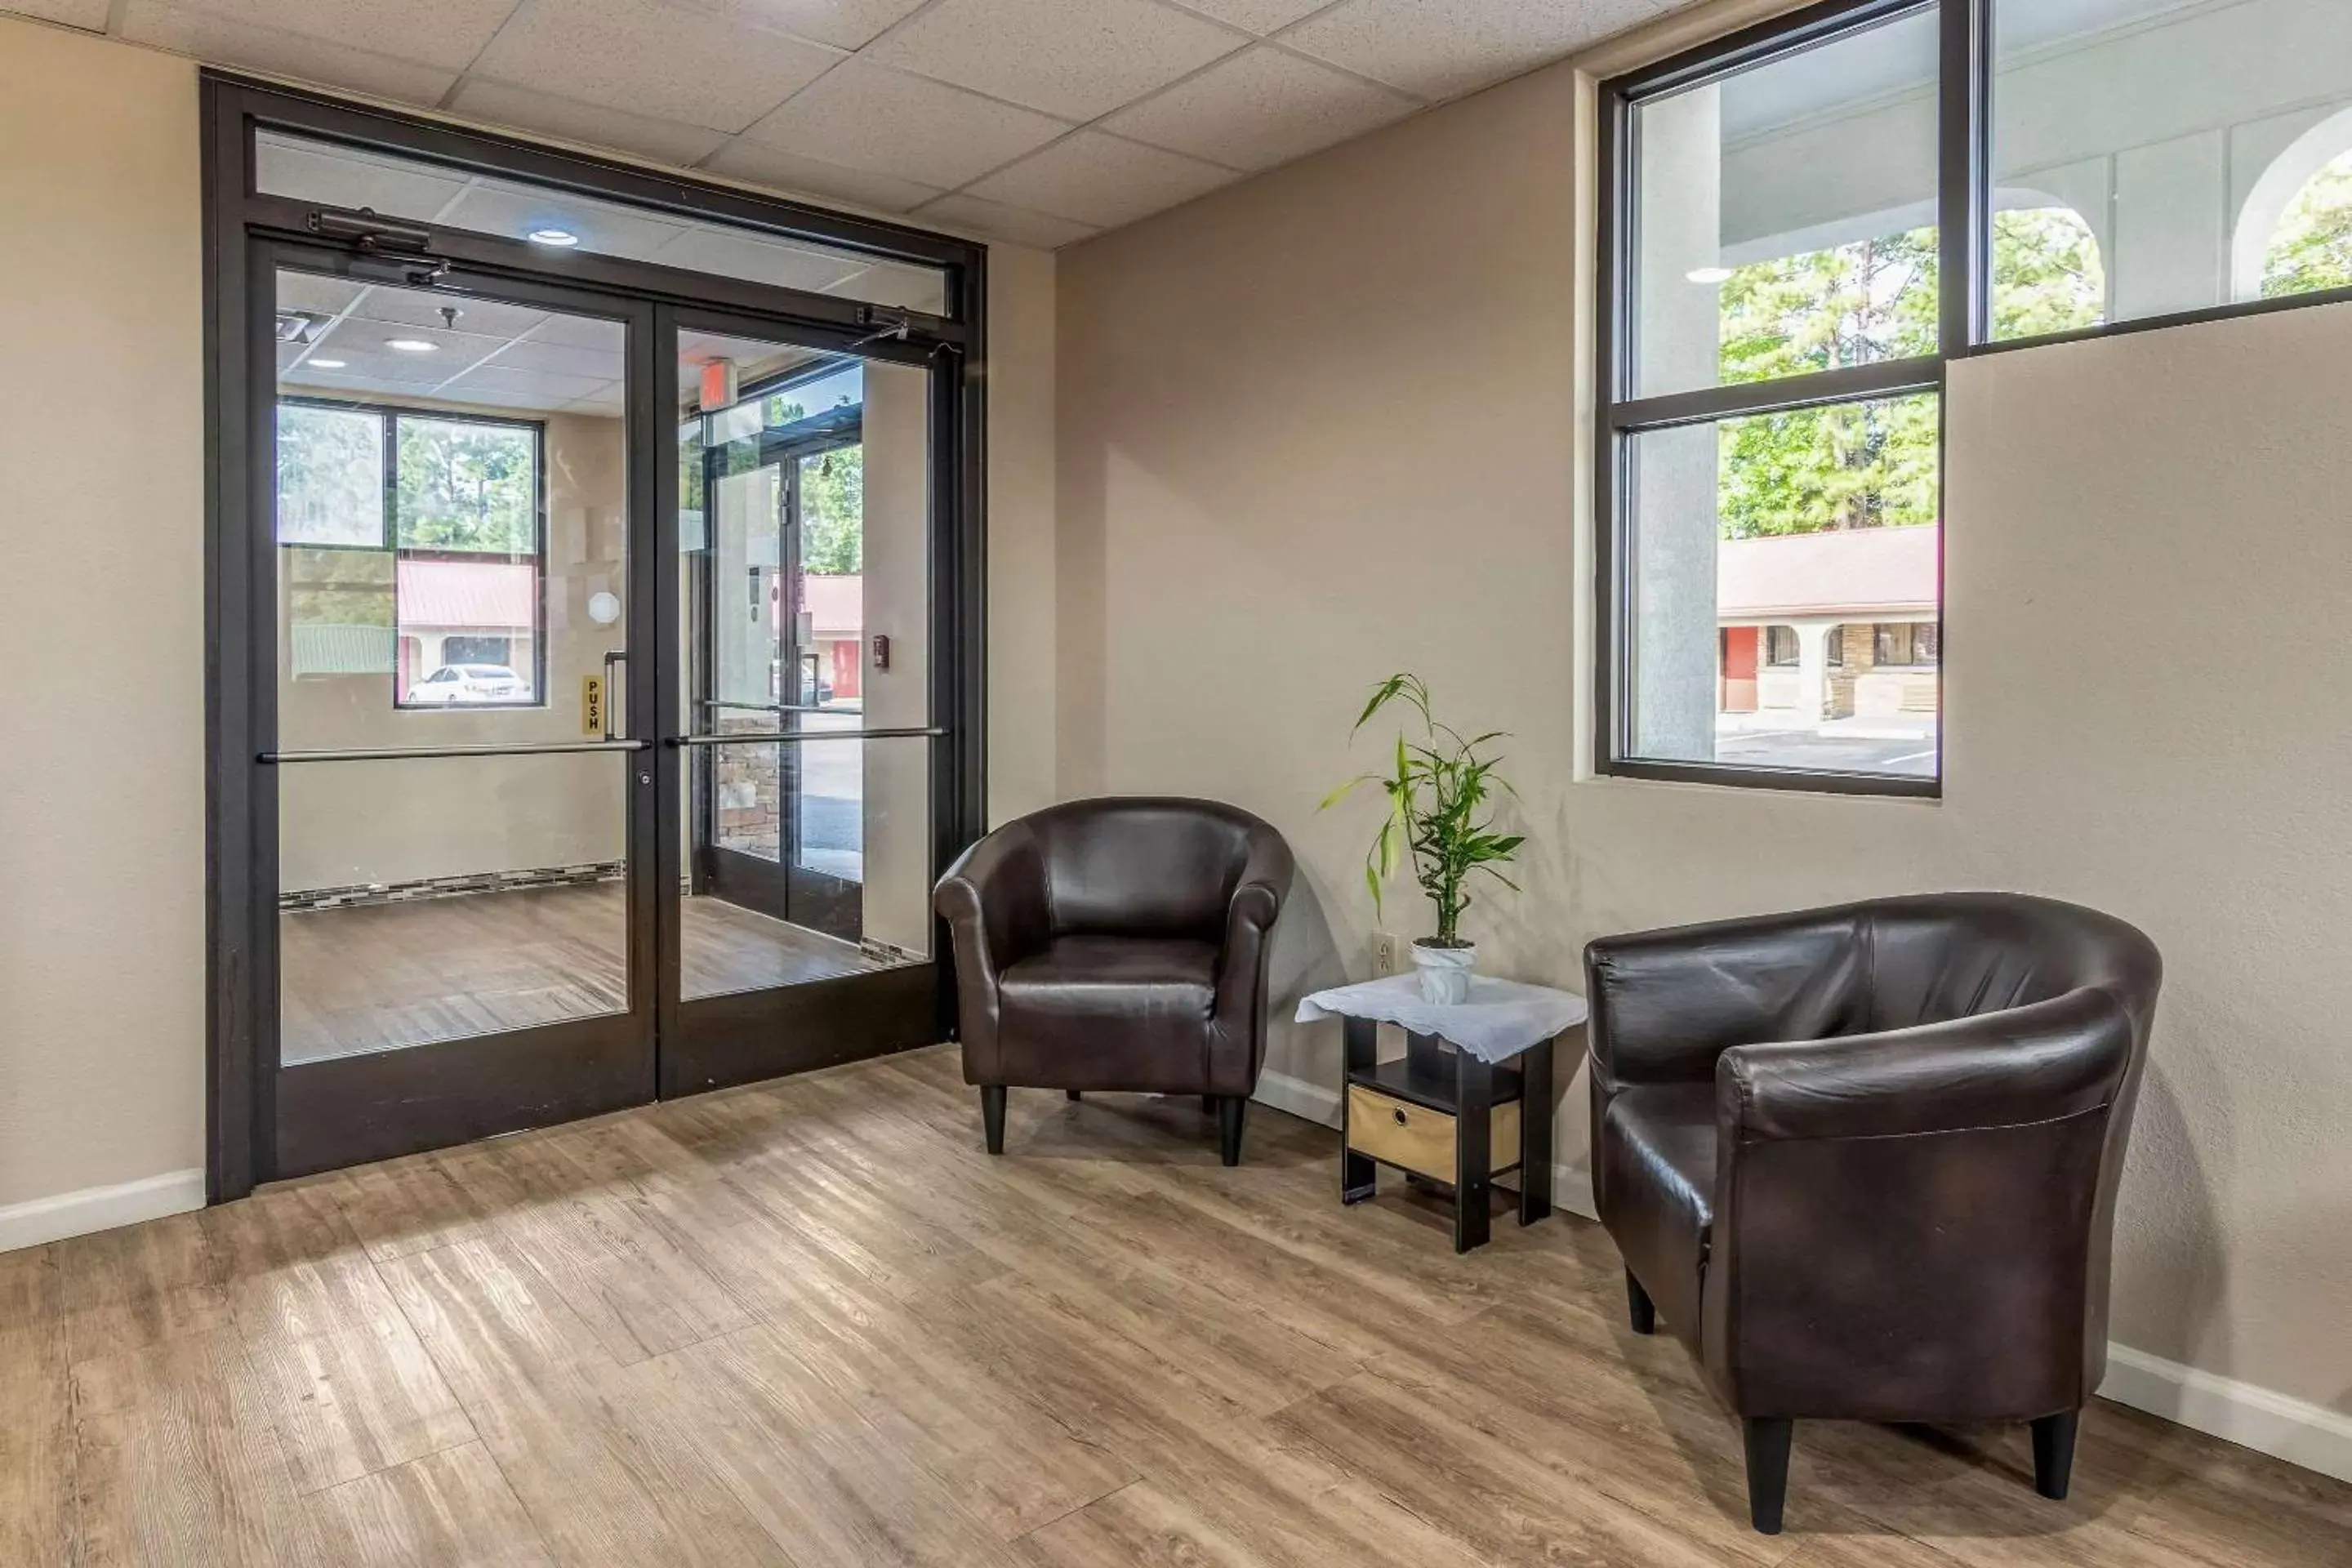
(381, 977)
(811, 1324)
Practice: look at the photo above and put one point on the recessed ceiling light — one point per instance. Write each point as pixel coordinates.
(552, 236)
(326, 365)
(411, 346)
(1710, 275)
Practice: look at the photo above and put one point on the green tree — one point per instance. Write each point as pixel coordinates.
(833, 512)
(2312, 247)
(466, 486)
(330, 476)
(1874, 464)
(1856, 465)
(2046, 273)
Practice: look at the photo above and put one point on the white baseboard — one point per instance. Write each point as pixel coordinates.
(2302, 1434)
(1307, 1101)
(99, 1208)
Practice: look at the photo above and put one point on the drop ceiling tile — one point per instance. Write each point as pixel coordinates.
(583, 332)
(663, 141)
(612, 399)
(994, 220)
(338, 177)
(512, 211)
(86, 13)
(737, 254)
(1102, 180)
(1257, 16)
(309, 378)
(448, 33)
(1441, 48)
(1260, 108)
(653, 61)
(396, 307)
(310, 291)
(500, 382)
(220, 41)
(1076, 59)
(561, 359)
(366, 348)
(850, 24)
(790, 173)
(867, 117)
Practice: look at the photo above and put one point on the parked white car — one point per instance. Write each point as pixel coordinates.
(456, 683)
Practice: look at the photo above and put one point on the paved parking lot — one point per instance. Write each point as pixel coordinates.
(1848, 745)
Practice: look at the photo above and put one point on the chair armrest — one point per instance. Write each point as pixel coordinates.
(1666, 1004)
(1237, 1043)
(2037, 1063)
(996, 905)
(1257, 901)
(1909, 1226)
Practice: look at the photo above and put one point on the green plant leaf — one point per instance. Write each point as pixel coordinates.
(1343, 792)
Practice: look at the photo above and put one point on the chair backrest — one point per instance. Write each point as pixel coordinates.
(1942, 956)
(1142, 865)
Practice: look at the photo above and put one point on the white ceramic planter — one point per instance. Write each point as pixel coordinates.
(1444, 972)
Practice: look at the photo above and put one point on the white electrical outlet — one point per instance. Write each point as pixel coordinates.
(1388, 953)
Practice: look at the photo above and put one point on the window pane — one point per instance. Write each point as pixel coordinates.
(1775, 241)
(422, 192)
(465, 485)
(330, 476)
(2151, 158)
(1779, 563)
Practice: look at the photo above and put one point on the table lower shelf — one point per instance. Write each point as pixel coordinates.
(1445, 1116)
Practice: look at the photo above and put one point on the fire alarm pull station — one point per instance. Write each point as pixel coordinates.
(881, 650)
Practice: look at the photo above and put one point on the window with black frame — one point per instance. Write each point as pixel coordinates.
(1802, 224)
(414, 546)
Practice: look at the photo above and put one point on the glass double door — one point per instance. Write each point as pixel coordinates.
(778, 597)
(603, 757)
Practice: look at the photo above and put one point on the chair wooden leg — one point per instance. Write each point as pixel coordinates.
(992, 1116)
(1767, 1472)
(2053, 1453)
(1643, 1312)
(1232, 1110)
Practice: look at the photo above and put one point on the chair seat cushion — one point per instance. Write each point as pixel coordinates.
(1658, 1178)
(1111, 1013)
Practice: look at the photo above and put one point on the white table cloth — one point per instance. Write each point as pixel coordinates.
(1501, 1018)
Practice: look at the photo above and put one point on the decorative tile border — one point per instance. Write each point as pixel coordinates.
(363, 894)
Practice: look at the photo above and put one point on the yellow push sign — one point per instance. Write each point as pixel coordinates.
(591, 705)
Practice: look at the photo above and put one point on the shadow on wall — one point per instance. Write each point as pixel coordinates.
(2173, 1285)
(1306, 959)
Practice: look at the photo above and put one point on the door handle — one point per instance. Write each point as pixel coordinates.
(797, 737)
(412, 753)
(617, 656)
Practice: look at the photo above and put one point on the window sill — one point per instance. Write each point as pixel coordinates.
(1779, 780)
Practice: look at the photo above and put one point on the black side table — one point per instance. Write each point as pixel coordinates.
(1437, 1114)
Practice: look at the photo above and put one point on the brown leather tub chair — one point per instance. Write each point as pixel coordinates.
(1117, 944)
(1864, 1159)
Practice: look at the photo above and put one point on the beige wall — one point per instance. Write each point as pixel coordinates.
(1019, 628)
(341, 825)
(1325, 425)
(101, 616)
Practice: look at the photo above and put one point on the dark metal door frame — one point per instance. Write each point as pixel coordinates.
(245, 234)
(711, 1042)
(784, 888)
(348, 1109)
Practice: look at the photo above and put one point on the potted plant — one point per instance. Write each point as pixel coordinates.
(1439, 790)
